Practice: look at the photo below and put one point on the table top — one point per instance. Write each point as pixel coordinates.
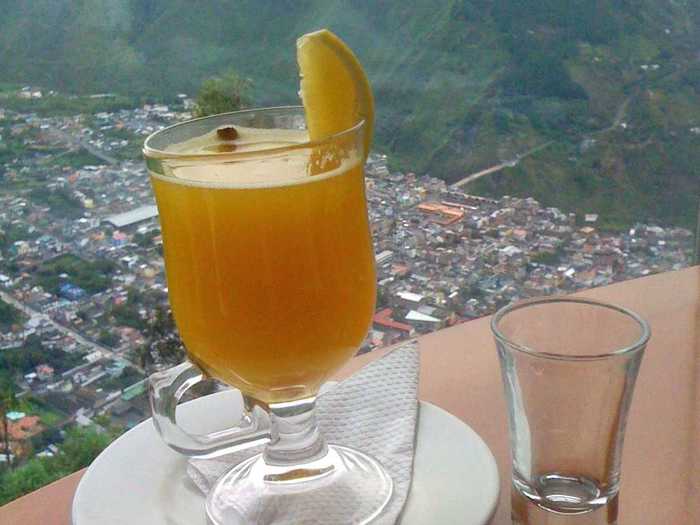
(460, 373)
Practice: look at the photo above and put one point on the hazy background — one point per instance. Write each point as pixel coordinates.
(460, 85)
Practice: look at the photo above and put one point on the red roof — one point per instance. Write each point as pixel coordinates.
(25, 428)
(383, 318)
(449, 213)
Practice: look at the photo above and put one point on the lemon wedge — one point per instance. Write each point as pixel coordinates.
(334, 88)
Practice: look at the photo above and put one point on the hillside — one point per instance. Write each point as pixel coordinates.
(460, 85)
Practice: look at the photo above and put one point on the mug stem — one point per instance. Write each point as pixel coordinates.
(297, 449)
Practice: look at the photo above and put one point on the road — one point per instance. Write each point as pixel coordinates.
(474, 176)
(498, 167)
(31, 312)
(619, 115)
(78, 142)
(617, 120)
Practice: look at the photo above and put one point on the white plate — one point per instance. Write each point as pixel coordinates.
(138, 480)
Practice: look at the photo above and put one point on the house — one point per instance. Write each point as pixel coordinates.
(20, 430)
(71, 291)
(382, 321)
(44, 372)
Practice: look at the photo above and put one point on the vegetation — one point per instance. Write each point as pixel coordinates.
(36, 407)
(549, 258)
(108, 338)
(8, 402)
(91, 276)
(12, 145)
(127, 313)
(519, 72)
(163, 345)
(9, 315)
(106, 422)
(76, 159)
(145, 240)
(13, 232)
(516, 73)
(20, 361)
(61, 201)
(65, 105)
(229, 92)
(80, 447)
(128, 377)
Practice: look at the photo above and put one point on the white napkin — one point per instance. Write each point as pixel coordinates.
(375, 411)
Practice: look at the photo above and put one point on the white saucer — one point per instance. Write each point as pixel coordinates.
(138, 480)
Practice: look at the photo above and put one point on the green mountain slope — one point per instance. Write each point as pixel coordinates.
(460, 85)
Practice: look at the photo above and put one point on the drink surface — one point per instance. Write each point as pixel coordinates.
(270, 270)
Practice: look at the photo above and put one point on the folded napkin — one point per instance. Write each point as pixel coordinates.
(375, 411)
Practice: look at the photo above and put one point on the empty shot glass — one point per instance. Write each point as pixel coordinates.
(569, 367)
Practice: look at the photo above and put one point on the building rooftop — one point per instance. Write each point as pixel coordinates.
(135, 216)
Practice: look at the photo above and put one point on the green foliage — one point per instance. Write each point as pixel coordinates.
(692, 76)
(34, 474)
(67, 105)
(145, 240)
(222, 94)
(548, 258)
(79, 449)
(92, 276)
(542, 75)
(13, 232)
(76, 160)
(163, 345)
(106, 422)
(108, 338)
(23, 360)
(37, 407)
(8, 401)
(9, 315)
(61, 201)
(542, 34)
(127, 314)
(128, 377)
(474, 291)
(50, 436)
(564, 22)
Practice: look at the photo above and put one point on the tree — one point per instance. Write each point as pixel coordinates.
(9, 315)
(222, 94)
(32, 475)
(163, 346)
(108, 338)
(127, 314)
(80, 448)
(8, 402)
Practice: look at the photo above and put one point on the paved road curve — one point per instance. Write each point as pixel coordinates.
(498, 167)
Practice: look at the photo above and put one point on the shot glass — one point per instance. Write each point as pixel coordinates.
(569, 367)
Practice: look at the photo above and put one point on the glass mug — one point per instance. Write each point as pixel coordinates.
(271, 278)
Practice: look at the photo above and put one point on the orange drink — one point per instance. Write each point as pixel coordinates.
(270, 269)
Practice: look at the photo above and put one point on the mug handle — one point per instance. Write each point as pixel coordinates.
(165, 390)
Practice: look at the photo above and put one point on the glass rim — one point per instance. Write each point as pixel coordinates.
(639, 344)
(156, 153)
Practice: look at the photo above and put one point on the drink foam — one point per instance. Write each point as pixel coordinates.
(271, 169)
